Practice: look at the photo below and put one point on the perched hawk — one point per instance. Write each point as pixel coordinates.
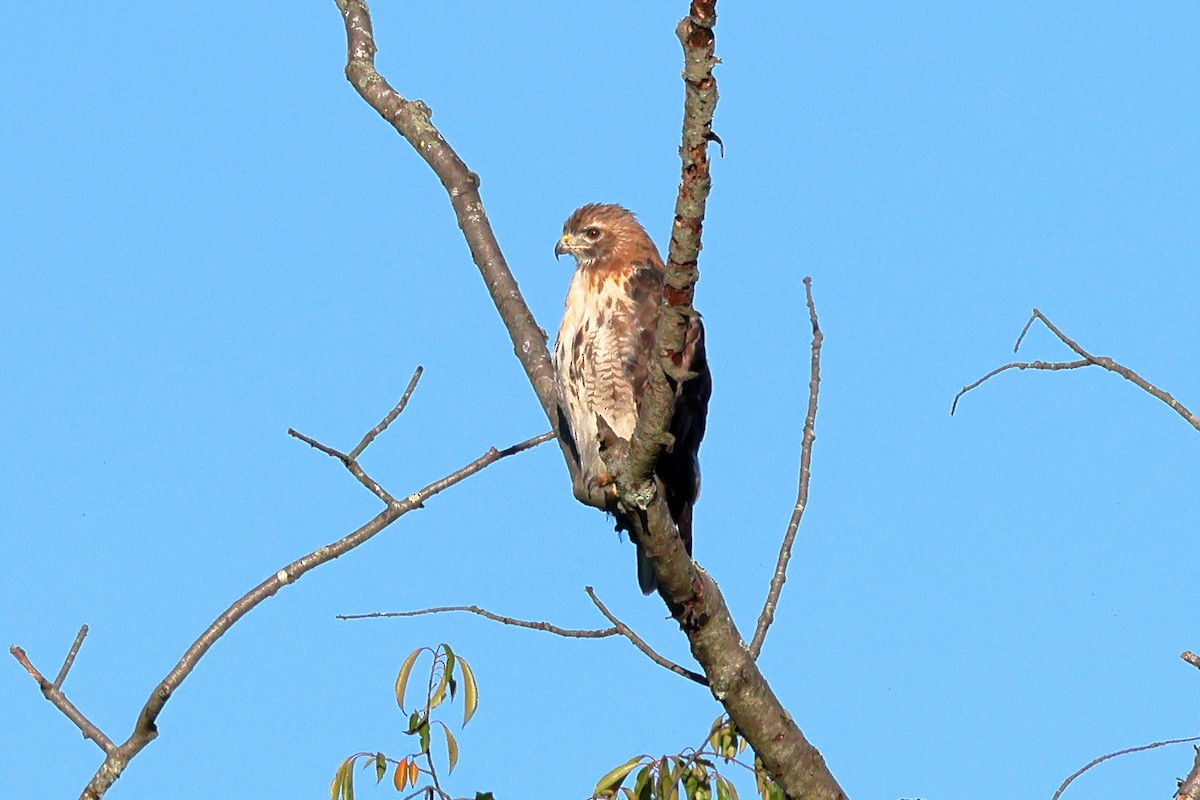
(606, 344)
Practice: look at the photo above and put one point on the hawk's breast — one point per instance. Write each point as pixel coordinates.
(595, 358)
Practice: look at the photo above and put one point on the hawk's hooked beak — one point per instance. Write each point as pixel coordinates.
(560, 248)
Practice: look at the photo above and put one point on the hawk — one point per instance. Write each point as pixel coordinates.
(602, 357)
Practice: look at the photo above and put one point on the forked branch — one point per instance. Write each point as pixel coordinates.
(117, 757)
(1086, 360)
(52, 691)
(618, 628)
(412, 120)
(640, 643)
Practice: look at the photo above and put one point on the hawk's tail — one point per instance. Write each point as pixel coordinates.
(645, 570)
(646, 578)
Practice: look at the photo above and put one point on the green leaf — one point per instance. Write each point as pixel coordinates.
(339, 777)
(674, 772)
(714, 733)
(402, 678)
(414, 722)
(451, 748)
(470, 691)
(664, 772)
(423, 732)
(380, 767)
(696, 781)
(725, 790)
(616, 776)
(643, 785)
(439, 693)
(484, 796)
(348, 779)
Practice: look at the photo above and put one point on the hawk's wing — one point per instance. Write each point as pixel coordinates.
(679, 465)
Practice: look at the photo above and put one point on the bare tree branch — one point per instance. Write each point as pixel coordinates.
(1107, 756)
(391, 415)
(1043, 365)
(596, 633)
(412, 120)
(1087, 359)
(55, 695)
(695, 33)
(1191, 658)
(640, 643)
(810, 420)
(117, 757)
(70, 659)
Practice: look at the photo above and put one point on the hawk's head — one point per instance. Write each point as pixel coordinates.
(596, 231)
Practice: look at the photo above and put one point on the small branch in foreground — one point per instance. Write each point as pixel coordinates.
(117, 757)
(1086, 359)
(390, 417)
(70, 659)
(640, 644)
(1191, 658)
(1049, 366)
(789, 537)
(1107, 756)
(59, 700)
(596, 633)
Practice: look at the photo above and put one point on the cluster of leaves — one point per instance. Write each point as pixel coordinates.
(691, 774)
(446, 672)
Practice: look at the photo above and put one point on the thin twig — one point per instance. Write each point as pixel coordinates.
(1106, 757)
(570, 633)
(311, 442)
(59, 700)
(1087, 360)
(810, 421)
(350, 460)
(390, 417)
(1191, 658)
(70, 659)
(1045, 365)
(146, 729)
(640, 644)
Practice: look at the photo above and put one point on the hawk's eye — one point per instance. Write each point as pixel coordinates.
(592, 233)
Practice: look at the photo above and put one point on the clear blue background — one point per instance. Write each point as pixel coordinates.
(207, 237)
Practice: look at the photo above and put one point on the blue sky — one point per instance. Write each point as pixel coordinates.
(208, 238)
